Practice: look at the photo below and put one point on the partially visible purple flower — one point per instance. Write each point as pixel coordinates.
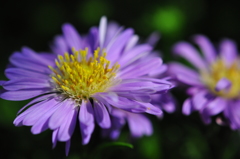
(214, 85)
(102, 77)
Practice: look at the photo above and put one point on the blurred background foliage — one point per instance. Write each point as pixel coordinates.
(35, 23)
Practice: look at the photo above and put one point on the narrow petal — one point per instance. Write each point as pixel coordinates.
(207, 48)
(67, 127)
(54, 138)
(184, 74)
(141, 68)
(151, 109)
(199, 100)
(28, 53)
(31, 118)
(93, 39)
(113, 30)
(115, 49)
(206, 118)
(22, 61)
(189, 81)
(138, 130)
(134, 54)
(16, 73)
(228, 50)
(86, 119)
(60, 46)
(153, 38)
(36, 100)
(19, 95)
(18, 120)
(131, 43)
(216, 106)
(67, 147)
(188, 52)
(61, 114)
(72, 37)
(121, 102)
(187, 107)
(232, 112)
(26, 83)
(101, 115)
(42, 123)
(223, 84)
(102, 30)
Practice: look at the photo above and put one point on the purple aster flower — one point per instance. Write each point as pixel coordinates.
(98, 77)
(214, 85)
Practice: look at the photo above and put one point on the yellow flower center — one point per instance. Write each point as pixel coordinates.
(219, 70)
(79, 77)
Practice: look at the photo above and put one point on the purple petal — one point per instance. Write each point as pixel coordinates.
(22, 94)
(36, 115)
(93, 39)
(42, 124)
(28, 53)
(153, 38)
(137, 130)
(67, 127)
(54, 138)
(37, 100)
(16, 73)
(138, 97)
(31, 64)
(228, 50)
(26, 83)
(177, 68)
(199, 100)
(187, 107)
(86, 119)
(134, 54)
(121, 102)
(102, 30)
(67, 147)
(61, 114)
(159, 71)
(101, 115)
(188, 80)
(72, 37)
(207, 48)
(188, 52)
(215, 106)
(131, 43)
(60, 46)
(151, 109)
(115, 49)
(141, 68)
(114, 131)
(206, 118)
(2, 82)
(232, 112)
(223, 84)
(167, 102)
(18, 120)
(113, 30)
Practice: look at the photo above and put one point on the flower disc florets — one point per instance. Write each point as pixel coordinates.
(220, 70)
(78, 77)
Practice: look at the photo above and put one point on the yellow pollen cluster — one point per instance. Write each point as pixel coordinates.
(78, 77)
(218, 70)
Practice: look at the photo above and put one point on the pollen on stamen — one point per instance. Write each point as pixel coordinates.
(77, 76)
(219, 70)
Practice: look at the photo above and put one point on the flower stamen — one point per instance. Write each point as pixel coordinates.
(79, 77)
(220, 70)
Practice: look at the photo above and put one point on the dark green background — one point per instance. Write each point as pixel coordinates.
(35, 23)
